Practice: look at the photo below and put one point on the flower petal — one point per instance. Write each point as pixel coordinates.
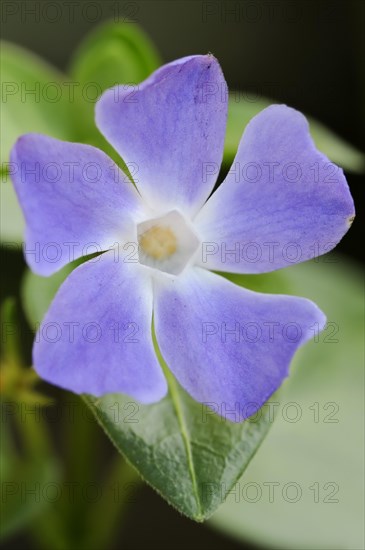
(75, 200)
(96, 337)
(170, 131)
(230, 347)
(282, 202)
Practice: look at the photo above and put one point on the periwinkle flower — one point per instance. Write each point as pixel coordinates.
(280, 198)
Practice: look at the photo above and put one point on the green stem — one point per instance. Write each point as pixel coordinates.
(81, 453)
(108, 514)
(33, 431)
(47, 529)
(48, 532)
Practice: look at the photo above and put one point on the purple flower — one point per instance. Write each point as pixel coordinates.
(282, 202)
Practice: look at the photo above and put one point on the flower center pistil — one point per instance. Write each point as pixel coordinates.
(166, 243)
(158, 242)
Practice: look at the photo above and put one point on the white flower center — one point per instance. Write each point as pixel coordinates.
(158, 242)
(167, 243)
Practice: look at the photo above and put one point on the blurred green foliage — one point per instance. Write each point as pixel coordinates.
(32, 464)
(112, 54)
(241, 110)
(321, 451)
(34, 99)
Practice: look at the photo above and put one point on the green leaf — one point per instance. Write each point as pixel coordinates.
(240, 113)
(37, 292)
(179, 447)
(322, 452)
(12, 220)
(47, 110)
(113, 53)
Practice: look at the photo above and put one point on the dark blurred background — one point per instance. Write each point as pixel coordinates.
(306, 53)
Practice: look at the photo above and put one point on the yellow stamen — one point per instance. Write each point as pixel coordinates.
(158, 242)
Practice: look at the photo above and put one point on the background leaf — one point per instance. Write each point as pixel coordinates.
(325, 446)
(37, 292)
(113, 53)
(337, 149)
(12, 222)
(189, 455)
(47, 111)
